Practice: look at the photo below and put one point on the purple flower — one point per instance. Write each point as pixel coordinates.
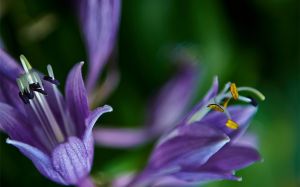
(164, 111)
(99, 22)
(54, 132)
(204, 146)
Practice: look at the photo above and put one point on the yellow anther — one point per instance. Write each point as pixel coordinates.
(234, 91)
(215, 107)
(231, 124)
(225, 104)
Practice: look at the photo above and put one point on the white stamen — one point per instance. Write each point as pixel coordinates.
(39, 105)
(66, 121)
(50, 117)
(227, 113)
(226, 87)
(67, 124)
(51, 142)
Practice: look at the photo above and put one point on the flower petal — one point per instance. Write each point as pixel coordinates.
(9, 68)
(41, 161)
(187, 145)
(123, 179)
(88, 139)
(100, 20)
(12, 122)
(9, 71)
(232, 157)
(9, 94)
(242, 115)
(86, 182)
(70, 160)
(76, 98)
(249, 139)
(181, 178)
(120, 138)
(196, 178)
(93, 117)
(173, 99)
(212, 92)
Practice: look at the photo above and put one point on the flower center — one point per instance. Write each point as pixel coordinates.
(33, 93)
(225, 96)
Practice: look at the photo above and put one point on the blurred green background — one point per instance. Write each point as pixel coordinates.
(253, 43)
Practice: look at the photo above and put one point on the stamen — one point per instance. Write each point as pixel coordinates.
(253, 101)
(50, 118)
(29, 95)
(216, 107)
(23, 84)
(32, 92)
(69, 128)
(36, 87)
(226, 87)
(51, 78)
(225, 104)
(231, 124)
(24, 98)
(234, 91)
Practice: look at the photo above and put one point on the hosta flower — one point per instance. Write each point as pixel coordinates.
(206, 145)
(53, 131)
(164, 110)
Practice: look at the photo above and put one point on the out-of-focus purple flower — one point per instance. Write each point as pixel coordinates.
(54, 132)
(203, 146)
(164, 110)
(99, 22)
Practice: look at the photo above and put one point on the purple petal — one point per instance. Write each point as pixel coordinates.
(240, 114)
(181, 178)
(9, 71)
(9, 94)
(123, 180)
(100, 20)
(232, 157)
(187, 145)
(76, 98)
(173, 99)
(93, 117)
(121, 138)
(9, 68)
(249, 140)
(41, 161)
(70, 160)
(171, 181)
(196, 178)
(212, 92)
(109, 84)
(15, 125)
(90, 121)
(86, 182)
